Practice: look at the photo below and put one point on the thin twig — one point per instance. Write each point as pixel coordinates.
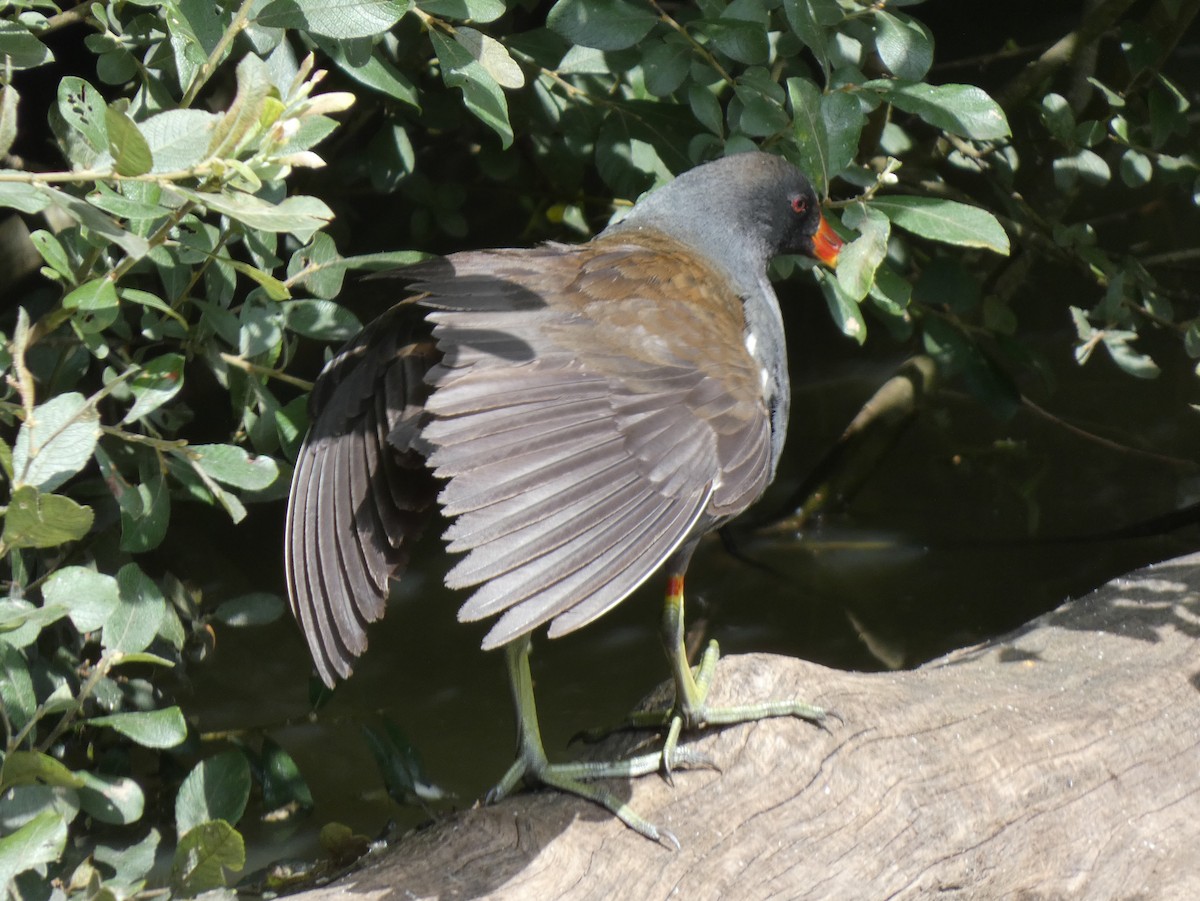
(205, 72)
(256, 369)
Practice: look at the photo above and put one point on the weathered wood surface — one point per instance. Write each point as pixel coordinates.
(1060, 761)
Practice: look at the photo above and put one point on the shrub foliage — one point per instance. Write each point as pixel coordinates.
(178, 186)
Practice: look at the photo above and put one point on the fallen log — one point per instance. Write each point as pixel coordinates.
(1060, 760)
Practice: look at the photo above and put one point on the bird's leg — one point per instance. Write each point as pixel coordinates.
(691, 710)
(532, 765)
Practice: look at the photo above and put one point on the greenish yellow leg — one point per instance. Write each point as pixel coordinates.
(532, 765)
(691, 709)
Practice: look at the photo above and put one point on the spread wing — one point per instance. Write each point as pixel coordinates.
(594, 408)
(360, 492)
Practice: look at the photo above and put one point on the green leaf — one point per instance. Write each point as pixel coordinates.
(111, 799)
(34, 767)
(88, 596)
(299, 215)
(53, 253)
(1057, 116)
(945, 220)
(333, 18)
(860, 258)
(481, 92)
(21, 622)
(904, 45)
(602, 24)
(323, 320)
(846, 312)
(94, 305)
(317, 268)
(40, 841)
(16, 687)
(9, 101)
(130, 152)
(164, 728)
(475, 10)
(134, 624)
(492, 55)
(216, 789)
(23, 197)
(282, 782)
(231, 465)
(805, 18)
(762, 113)
(706, 108)
(133, 862)
(1086, 165)
(1119, 344)
(254, 609)
(156, 383)
(665, 65)
(244, 114)
(376, 72)
(56, 442)
(826, 128)
(104, 226)
(960, 109)
(744, 42)
(44, 520)
(19, 49)
(203, 855)
(178, 139)
(145, 507)
(83, 109)
(125, 207)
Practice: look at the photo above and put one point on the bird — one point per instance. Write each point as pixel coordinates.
(581, 416)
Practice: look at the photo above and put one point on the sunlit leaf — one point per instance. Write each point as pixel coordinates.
(482, 93)
(961, 109)
(21, 50)
(40, 841)
(282, 782)
(163, 728)
(947, 221)
(216, 789)
(156, 383)
(358, 19)
(35, 519)
(323, 320)
(16, 687)
(602, 24)
(232, 465)
(57, 441)
(134, 623)
(111, 799)
(88, 596)
(254, 609)
(127, 146)
(204, 854)
(904, 45)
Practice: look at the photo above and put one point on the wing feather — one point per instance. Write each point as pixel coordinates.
(359, 495)
(580, 424)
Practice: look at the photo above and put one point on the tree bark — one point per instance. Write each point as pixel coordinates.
(1059, 761)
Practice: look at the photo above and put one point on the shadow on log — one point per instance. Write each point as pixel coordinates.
(1059, 761)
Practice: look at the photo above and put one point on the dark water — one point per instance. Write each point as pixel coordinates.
(959, 534)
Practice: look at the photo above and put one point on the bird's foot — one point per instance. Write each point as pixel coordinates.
(531, 766)
(690, 713)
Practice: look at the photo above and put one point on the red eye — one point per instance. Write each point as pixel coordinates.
(799, 204)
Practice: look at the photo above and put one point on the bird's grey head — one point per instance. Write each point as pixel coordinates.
(738, 212)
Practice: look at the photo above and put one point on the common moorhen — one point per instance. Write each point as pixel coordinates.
(588, 413)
